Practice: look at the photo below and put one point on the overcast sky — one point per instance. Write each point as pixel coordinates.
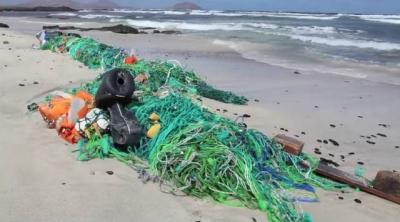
(363, 6)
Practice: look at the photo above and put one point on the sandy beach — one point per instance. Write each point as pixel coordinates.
(43, 181)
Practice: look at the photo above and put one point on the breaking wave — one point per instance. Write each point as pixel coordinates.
(392, 19)
(94, 16)
(70, 14)
(383, 46)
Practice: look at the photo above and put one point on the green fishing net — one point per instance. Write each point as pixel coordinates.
(202, 154)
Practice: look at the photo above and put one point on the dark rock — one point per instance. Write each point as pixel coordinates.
(319, 141)
(2, 25)
(397, 147)
(328, 162)
(340, 198)
(381, 134)
(297, 72)
(46, 27)
(370, 142)
(169, 32)
(35, 82)
(335, 143)
(357, 201)
(331, 155)
(63, 183)
(317, 152)
(316, 106)
(332, 125)
(254, 219)
(304, 133)
(6, 42)
(156, 31)
(383, 125)
(110, 172)
(246, 115)
(388, 182)
(21, 84)
(360, 117)
(256, 100)
(351, 153)
(147, 28)
(122, 29)
(360, 163)
(325, 141)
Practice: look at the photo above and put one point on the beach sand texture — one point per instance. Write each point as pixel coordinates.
(42, 181)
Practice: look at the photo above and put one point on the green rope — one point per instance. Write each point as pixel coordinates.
(202, 154)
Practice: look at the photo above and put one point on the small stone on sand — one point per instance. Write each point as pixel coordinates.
(334, 142)
(110, 172)
(381, 134)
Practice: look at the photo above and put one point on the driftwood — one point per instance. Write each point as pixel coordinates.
(386, 183)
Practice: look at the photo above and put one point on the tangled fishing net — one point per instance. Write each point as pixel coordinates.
(202, 154)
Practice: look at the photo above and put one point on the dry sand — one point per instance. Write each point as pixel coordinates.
(42, 181)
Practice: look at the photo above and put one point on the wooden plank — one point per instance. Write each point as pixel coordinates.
(290, 144)
(346, 178)
(295, 147)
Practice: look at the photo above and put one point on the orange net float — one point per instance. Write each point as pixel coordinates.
(60, 106)
(130, 60)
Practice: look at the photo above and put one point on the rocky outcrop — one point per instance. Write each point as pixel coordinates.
(2, 25)
(121, 29)
(186, 6)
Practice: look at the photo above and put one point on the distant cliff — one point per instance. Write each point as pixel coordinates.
(186, 6)
(98, 4)
(39, 8)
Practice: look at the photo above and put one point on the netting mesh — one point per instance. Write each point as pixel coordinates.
(201, 153)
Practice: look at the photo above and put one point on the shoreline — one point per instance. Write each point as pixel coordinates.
(286, 100)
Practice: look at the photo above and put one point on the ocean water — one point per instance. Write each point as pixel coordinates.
(360, 46)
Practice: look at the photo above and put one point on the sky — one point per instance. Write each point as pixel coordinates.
(341, 6)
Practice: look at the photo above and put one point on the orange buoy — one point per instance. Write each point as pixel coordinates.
(130, 60)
